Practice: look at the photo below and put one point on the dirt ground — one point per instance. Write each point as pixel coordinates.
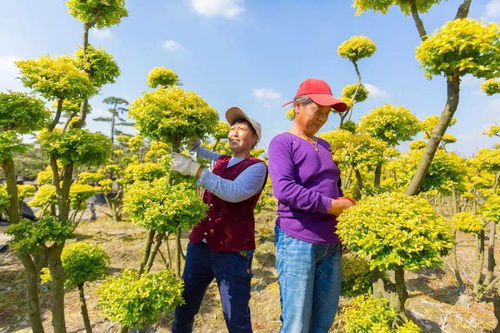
(435, 303)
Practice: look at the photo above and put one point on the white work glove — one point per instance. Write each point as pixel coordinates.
(184, 165)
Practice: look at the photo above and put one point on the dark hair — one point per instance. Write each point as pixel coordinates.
(244, 121)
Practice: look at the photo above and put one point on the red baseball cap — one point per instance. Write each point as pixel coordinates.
(319, 91)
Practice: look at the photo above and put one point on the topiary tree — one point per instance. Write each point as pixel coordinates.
(391, 124)
(359, 152)
(82, 262)
(164, 207)
(395, 232)
(134, 299)
(366, 314)
(100, 14)
(491, 87)
(356, 276)
(172, 116)
(162, 77)
(20, 113)
(354, 49)
(118, 107)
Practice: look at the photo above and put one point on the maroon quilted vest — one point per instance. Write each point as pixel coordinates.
(228, 226)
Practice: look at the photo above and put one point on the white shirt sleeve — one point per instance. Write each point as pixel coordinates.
(247, 184)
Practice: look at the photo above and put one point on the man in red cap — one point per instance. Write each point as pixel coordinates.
(306, 182)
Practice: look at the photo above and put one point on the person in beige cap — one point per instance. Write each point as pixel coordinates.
(221, 246)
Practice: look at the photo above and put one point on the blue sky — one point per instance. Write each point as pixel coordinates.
(254, 54)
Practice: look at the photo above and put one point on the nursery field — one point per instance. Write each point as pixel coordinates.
(435, 303)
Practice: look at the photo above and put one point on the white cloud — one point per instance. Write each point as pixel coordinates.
(493, 9)
(266, 94)
(8, 73)
(101, 34)
(172, 45)
(375, 91)
(225, 8)
(7, 64)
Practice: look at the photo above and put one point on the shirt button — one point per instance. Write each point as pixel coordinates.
(205, 233)
(209, 219)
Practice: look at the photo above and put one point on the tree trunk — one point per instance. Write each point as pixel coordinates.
(57, 288)
(399, 276)
(491, 254)
(147, 250)
(479, 264)
(463, 9)
(416, 18)
(32, 293)
(179, 255)
(14, 208)
(353, 99)
(456, 268)
(378, 174)
(359, 179)
(159, 238)
(453, 85)
(83, 309)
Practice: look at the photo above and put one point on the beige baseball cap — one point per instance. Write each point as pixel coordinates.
(234, 113)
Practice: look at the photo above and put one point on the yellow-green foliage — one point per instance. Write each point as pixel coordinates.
(491, 87)
(221, 131)
(467, 222)
(162, 77)
(158, 205)
(45, 176)
(357, 150)
(10, 144)
(56, 78)
(99, 64)
(361, 95)
(463, 46)
(79, 194)
(25, 191)
(134, 300)
(356, 47)
(105, 13)
(29, 236)
(491, 208)
(22, 113)
(4, 198)
(170, 115)
(392, 124)
(356, 276)
(393, 230)
(449, 138)
(384, 5)
(84, 262)
(364, 314)
(45, 196)
(158, 152)
(349, 125)
(290, 113)
(144, 171)
(428, 124)
(493, 130)
(417, 144)
(77, 146)
(447, 170)
(91, 178)
(488, 159)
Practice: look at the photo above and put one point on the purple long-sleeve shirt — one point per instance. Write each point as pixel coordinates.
(304, 181)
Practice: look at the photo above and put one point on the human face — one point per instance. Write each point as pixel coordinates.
(241, 138)
(311, 117)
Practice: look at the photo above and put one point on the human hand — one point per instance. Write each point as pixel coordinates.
(338, 205)
(184, 165)
(195, 143)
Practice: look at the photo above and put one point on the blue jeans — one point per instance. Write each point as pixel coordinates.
(233, 273)
(310, 277)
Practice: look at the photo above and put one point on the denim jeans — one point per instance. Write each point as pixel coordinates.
(309, 277)
(232, 272)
